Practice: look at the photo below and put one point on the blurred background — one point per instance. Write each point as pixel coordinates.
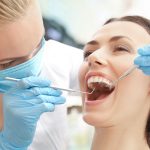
(73, 22)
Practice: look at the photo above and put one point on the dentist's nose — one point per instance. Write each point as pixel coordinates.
(97, 59)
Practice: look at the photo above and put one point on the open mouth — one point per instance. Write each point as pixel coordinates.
(102, 87)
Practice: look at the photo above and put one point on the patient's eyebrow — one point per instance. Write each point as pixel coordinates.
(93, 42)
(115, 38)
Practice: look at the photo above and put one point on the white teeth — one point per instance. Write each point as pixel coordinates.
(98, 79)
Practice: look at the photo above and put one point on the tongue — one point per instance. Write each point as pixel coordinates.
(101, 97)
(97, 95)
(101, 91)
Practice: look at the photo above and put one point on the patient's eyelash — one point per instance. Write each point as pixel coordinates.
(87, 53)
(121, 48)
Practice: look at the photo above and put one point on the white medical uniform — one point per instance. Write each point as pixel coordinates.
(60, 64)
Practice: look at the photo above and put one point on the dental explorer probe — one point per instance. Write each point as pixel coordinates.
(126, 73)
(63, 89)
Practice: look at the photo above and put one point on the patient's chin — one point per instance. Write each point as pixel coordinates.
(95, 120)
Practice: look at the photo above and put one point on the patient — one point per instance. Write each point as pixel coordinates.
(120, 113)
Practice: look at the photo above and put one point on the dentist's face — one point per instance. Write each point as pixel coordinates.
(109, 54)
(20, 40)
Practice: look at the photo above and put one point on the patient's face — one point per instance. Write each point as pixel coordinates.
(109, 54)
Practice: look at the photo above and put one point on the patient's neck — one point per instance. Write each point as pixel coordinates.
(1, 113)
(120, 138)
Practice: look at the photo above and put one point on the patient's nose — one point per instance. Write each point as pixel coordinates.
(97, 59)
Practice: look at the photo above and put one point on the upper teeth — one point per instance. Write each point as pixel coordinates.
(98, 79)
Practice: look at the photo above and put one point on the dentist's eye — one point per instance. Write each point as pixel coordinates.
(7, 65)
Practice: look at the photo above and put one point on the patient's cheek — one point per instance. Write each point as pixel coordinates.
(82, 72)
(121, 67)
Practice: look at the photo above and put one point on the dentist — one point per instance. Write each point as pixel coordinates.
(33, 115)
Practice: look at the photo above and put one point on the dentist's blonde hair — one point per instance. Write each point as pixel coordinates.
(10, 10)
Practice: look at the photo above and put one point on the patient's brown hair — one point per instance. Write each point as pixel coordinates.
(145, 23)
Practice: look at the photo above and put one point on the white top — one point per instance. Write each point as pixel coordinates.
(60, 64)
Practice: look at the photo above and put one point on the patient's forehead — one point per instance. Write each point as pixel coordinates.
(124, 28)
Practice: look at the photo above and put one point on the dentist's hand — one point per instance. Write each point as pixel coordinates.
(22, 107)
(143, 60)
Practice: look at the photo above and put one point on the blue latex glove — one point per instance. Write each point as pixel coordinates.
(22, 107)
(143, 60)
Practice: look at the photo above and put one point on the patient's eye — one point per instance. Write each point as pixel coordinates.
(121, 48)
(87, 53)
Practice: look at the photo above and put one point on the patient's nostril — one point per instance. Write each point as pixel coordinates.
(98, 62)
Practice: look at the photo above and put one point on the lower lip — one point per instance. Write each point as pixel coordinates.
(96, 102)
